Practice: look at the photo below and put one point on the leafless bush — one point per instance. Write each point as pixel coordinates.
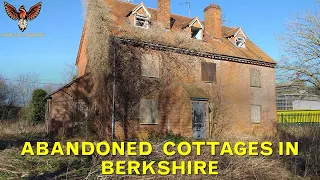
(25, 84)
(8, 100)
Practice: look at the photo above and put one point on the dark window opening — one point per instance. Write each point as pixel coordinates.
(196, 33)
(172, 21)
(142, 22)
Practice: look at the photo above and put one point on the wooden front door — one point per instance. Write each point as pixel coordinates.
(199, 119)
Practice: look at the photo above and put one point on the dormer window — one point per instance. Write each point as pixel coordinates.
(237, 37)
(140, 16)
(141, 21)
(196, 33)
(195, 27)
(240, 42)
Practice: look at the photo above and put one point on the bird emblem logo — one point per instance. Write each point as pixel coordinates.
(23, 16)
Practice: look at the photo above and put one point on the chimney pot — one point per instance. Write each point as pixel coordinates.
(212, 6)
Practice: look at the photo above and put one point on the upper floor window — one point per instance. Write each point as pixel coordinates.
(208, 72)
(150, 65)
(255, 78)
(240, 42)
(141, 21)
(140, 16)
(196, 33)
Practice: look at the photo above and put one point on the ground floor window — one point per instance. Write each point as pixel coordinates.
(255, 113)
(148, 111)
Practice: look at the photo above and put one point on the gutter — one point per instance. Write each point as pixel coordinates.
(209, 55)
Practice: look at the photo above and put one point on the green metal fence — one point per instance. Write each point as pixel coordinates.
(307, 117)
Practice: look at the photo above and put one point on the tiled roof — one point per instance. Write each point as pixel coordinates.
(230, 31)
(120, 11)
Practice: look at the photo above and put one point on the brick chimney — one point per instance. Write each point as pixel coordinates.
(164, 14)
(212, 21)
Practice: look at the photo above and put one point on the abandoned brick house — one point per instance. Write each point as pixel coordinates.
(225, 86)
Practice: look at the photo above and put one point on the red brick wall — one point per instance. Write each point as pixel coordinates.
(82, 56)
(233, 86)
(62, 102)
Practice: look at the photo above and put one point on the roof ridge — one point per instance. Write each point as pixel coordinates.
(173, 13)
(227, 48)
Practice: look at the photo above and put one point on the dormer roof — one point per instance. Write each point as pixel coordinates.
(234, 33)
(142, 7)
(193, 21)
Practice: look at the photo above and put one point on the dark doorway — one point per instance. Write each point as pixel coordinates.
(199, 119)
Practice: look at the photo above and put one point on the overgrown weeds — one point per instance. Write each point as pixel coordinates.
(307, 163)
(19, 127)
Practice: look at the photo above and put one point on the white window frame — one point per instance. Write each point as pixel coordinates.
(201, 29)
(138, 16)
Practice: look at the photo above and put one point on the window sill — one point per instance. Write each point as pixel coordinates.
(257, 123)
(209, 82)
(142, 27)
(149, 123)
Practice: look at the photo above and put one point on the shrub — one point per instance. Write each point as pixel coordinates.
(37, 106)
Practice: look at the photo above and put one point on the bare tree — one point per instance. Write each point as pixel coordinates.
(301, 47)
(69, 72)
(8, 100)
(25, 84)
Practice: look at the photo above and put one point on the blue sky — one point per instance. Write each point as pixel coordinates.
(61, 21)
